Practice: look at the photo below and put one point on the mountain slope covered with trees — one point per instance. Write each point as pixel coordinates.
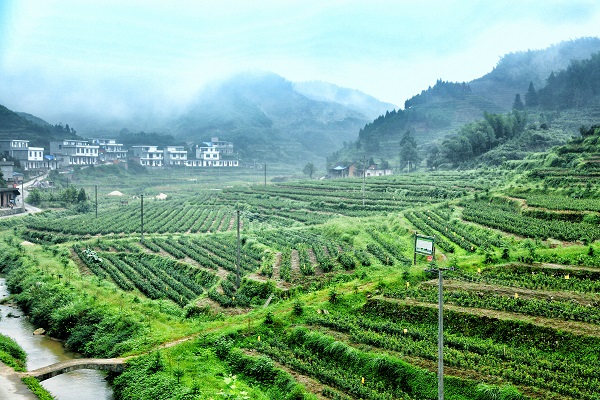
(28, 127)
(454, 123)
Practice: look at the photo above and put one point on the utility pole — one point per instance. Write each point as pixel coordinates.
(440, 329)
(142, 218)
(237, 277)
(364, 174)
(265, 174)
(440, 335)
(96, 194)
(22, 195)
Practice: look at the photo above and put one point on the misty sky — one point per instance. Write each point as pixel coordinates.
(60, 56)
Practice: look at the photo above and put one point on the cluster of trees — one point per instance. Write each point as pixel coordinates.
(576, 86)
(398, 121)
(59, 129)
(409, 154)
(143, 138)
(477, 138)
(68, 197)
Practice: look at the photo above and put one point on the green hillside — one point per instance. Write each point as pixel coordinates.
(29, 127)
(447, 111)
(515, 71)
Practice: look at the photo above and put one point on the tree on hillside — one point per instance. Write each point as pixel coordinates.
(81, 196)
(409, 155)
(433, 157)
(531, 97)
(309, 169)
(518, 104)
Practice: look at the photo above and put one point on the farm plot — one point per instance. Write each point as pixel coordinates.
(156, 277)
(506, 215)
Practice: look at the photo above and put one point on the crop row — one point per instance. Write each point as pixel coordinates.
(393, 249)
(158, 218)
(566, 310)
(424, 228)
(454, 228)
(519, 363)
(156, 277)
(556, 202)
(510, 220)
(537, 278)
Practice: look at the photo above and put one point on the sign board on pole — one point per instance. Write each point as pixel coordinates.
(424, 245)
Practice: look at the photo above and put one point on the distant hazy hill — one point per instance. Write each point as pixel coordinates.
(268, 119)
(28, 127)
(351, 98)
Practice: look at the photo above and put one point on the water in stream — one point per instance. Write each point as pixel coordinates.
(42, 351)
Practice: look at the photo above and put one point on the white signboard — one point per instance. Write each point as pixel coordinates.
(424, 245)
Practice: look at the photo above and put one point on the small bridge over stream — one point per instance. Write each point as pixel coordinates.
(103, 364)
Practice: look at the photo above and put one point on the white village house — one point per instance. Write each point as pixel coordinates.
(30, 158)
(74, 152)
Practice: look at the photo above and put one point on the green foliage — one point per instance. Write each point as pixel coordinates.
(492, 392)
(309, 169)
(231, 391)
(37, 389)
(298, 308)
(576, 86)
(269, 318)
(518, 103)
(476, 138)
(70, 315)
(409, 154)
(12, 354)
(144, 380)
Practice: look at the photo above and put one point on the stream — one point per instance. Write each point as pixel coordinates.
(42, 351)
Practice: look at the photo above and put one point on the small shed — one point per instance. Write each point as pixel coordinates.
(8, 196)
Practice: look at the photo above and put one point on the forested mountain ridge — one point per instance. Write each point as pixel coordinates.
(568, 101)
(576, 86)
(515, 71)
(448, 108)
(28, 127)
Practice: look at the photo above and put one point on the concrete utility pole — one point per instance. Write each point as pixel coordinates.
(265, 174)
(440, 335)
(364, 174)
(96, 194)
(440, 330)
(142, 217)
(22, 195)
(237, 277)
